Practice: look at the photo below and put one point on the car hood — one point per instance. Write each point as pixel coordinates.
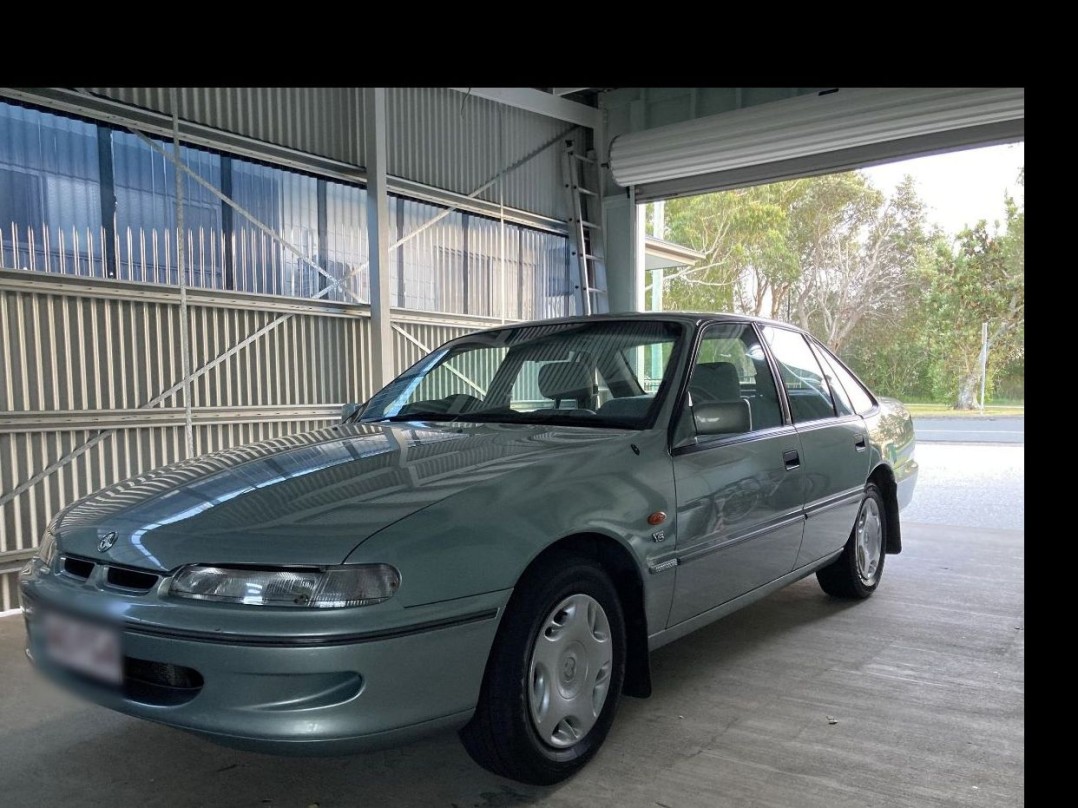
(302, 499)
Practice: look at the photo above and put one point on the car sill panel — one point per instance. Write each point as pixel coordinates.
(675, 632)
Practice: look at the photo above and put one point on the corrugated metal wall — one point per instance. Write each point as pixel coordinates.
(631, 109)
(436, 136)
(83, 355)
(451, 140)
(327, 121)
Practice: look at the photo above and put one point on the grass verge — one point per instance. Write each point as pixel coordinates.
(943, 409)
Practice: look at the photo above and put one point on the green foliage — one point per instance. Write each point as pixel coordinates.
(894, 360)
(981, 280)
(858, 249)
(901, 302)
(739, 232)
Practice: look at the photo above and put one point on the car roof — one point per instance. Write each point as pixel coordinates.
(687, 317)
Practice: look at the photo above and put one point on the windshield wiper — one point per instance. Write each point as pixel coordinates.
(415, 416)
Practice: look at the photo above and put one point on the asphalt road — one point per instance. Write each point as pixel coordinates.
(1005, 429)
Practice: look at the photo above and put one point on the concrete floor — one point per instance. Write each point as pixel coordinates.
(924, 682)
(969, 484)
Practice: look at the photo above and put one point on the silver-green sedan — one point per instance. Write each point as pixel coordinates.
(493, 543)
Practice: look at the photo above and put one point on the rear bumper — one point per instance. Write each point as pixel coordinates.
(296, 699)
(906, 481)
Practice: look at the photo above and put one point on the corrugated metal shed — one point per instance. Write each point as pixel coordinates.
(451, 140)
(436, 136)
(326, 121)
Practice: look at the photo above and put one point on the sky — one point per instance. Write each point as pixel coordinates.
(959, 188)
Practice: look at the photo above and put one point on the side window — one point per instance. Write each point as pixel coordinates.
(861, 400)
(843, 405)
(731, 369)
(809, 393)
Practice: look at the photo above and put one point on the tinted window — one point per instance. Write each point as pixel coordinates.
(860, 398)
(808, 391)
(843, 405)
(731, 366)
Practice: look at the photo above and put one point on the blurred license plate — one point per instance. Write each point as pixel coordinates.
(83, 647)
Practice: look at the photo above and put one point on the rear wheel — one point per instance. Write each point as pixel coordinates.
(857, 572)
(554, 676)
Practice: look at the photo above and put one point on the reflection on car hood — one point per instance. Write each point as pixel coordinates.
(303, 499)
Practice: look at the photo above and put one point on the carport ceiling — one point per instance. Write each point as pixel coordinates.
(816, 133)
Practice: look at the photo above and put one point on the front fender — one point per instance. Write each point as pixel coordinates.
(483, 538)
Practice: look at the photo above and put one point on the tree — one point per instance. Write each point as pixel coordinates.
(858, 254)
(748, 260)
(864, 272)
(981, 279)
(825, 251)
(894, 358)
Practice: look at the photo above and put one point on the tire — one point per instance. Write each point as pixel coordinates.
(856, 573)
(560, 651)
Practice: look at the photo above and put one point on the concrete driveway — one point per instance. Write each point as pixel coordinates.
(912, 698)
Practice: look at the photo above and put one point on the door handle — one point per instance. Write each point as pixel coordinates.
(859, 442)
(792, 459)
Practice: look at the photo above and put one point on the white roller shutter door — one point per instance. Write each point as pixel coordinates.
(813, 134)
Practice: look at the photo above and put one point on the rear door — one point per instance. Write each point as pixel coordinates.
(834, 456)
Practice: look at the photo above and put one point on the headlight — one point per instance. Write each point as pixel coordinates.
(318, 588)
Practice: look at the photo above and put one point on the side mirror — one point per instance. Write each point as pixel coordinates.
(350, 409)
(722, 418)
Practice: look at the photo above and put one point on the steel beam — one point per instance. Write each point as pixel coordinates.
(539, 102)
(374, 122)
(181, 269)
(138, 418)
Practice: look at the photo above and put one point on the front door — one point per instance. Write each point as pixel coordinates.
(739, 496)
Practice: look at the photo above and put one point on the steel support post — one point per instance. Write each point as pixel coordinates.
(624, 252)
(374, 121)
(181, 268)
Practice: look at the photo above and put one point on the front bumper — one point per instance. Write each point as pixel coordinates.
(377, 687)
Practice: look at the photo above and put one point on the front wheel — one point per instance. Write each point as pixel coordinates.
(554, 675)
(857, 572)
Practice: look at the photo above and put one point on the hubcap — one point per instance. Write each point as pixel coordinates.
(869, 541)
(569, 671)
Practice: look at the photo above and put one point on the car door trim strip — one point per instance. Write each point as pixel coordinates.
(706, 548)
(833, 501)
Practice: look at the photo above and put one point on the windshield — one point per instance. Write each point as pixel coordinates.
(605, 373)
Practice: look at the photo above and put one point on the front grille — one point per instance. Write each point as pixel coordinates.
(78, 568)
(131, 579)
